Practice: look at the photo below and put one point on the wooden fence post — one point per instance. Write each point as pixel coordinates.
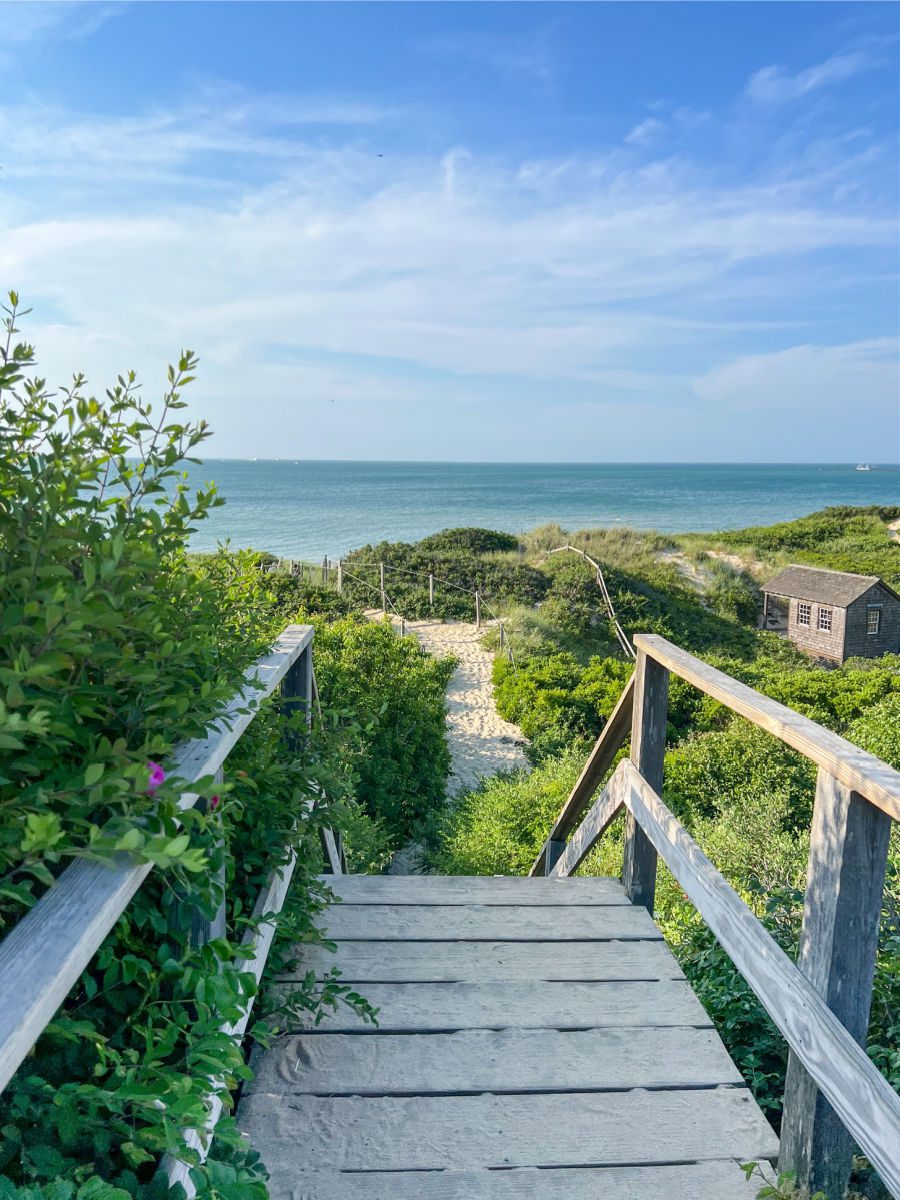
(325, 569)
(431, 590)
(838, 943)
(477, 610)
(340, 577)
(648, 749)
(383, 597)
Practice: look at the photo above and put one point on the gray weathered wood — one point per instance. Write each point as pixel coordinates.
(599, 761)
(503, 890)
(332, 852)
(862, 1098)
(477, 610)
(527, 1004)
(856, 768)
(489, 1060)
(44, 954)
(487, 923)
(383, 593)
(257, 943)
(340, 576)
(602, 814)
(648, 751)
(552, 852)
(390, 1133)
(431, 590)
(391, 962)
(845, 882)
(692, 1181)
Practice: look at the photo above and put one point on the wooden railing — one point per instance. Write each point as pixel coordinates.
(43, 956)
(834, 1095)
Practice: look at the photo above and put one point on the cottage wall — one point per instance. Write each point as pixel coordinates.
(858, 643)
(817, 642)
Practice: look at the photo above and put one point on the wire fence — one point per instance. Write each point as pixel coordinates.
(334, 573)
(623, 638)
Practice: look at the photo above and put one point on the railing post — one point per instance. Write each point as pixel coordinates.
(477, 610)
(431, 590)
(838, 943)
(325, 569)
(553, 852)
(648, 749)
(340, 577)
(383, 597)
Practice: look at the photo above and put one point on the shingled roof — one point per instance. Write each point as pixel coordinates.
(817, 583)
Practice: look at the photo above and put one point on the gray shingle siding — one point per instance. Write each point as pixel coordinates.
(858, 643)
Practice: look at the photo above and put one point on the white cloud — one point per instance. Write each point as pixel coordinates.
(412, 280)
(645, 131)
(528, 54)
(773, 85)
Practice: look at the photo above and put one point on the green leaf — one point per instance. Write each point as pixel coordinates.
(93, 774)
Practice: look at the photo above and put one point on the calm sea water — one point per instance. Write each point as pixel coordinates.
(310, 509)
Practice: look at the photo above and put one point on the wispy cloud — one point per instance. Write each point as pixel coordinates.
(644, 132)
(529, 54)
(774, 84)
(28, 26)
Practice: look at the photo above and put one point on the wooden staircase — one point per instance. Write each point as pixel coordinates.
(536, 1039)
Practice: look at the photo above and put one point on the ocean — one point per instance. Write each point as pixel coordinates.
(311, 509)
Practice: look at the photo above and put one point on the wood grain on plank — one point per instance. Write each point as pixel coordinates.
(602, 814)
(861, 771)
(600, 759)
(648, 752)
(526, 1004)
(501, 890)
(488, 1060)
(392, 962)
(487, 923)
(862, 1097)
(692, 1181)
(590, 1129)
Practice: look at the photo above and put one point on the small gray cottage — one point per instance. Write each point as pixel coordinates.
(833, 614)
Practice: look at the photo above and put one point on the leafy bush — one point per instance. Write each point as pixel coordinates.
(115, 646)
(470, 541)
(397, 693)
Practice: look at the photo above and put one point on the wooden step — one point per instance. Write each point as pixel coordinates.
(488, 923)
(694, 1181)
(490, 1060)
(489, 1131)
(527, 1004)
(474, 889)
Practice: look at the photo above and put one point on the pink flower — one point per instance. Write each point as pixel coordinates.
(157, 776)
(213, 803)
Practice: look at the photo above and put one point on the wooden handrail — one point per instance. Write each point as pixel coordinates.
(46, 951)
(612, 738)
(822, 1004)
(858, 769)
(863, 1099)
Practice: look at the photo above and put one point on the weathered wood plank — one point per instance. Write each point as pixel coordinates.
(445, 1007)
(475, 889)
(586, 1129)
(862, 1098)
(601, 816)
(859, 770)
(395, 962)
(44, 954)
(489, 1060)
(600, 759)
(696, 1181)
(648, 751)
(486, 923)
(845, 883)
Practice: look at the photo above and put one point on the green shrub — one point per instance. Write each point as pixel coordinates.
(470, 541)
(115, 645)
(396, 692)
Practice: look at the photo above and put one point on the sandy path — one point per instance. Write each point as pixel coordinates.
(481, 742)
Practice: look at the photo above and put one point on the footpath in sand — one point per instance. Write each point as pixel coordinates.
(481, 743)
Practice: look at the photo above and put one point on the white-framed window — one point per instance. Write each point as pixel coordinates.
(804, 614)
(873, 620)
(825, 620)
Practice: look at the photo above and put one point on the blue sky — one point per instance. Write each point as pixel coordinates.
(591, 232)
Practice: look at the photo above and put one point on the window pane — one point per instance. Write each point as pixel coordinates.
(873, 621)
(825, 619)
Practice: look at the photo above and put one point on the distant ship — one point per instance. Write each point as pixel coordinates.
(863, 467)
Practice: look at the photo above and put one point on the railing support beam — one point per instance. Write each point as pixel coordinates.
(838, 944)
(648, 750)
(553, 852)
